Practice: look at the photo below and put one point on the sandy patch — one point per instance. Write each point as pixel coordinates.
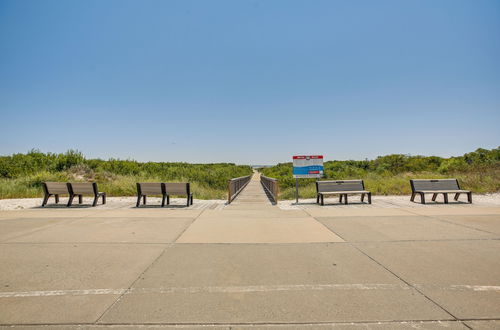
(111, 203)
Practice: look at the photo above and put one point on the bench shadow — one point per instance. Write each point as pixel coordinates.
(62, 206)
(175, 206)
(442, 203)
(332, 202)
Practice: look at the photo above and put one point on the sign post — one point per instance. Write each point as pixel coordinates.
(306, 167)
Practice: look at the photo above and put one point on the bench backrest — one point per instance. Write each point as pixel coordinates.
(149, 188)
(56, 188)
(434, 184)
(340, 185)
(177, 188)
(81, 188)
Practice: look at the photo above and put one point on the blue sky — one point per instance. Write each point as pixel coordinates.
(251, 82)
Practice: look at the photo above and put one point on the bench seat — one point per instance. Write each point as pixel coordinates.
(344, 192)
(72, 189)
(342, 188)
(85, 188)
(443, 191)
(165, 189)
(437, 186)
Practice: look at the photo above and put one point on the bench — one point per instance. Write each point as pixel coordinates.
(435, 187)
(54, 189)
(179, 189)
(85, 188)
(150, 188)
(165, 190)
(342, 188)
(72, 189)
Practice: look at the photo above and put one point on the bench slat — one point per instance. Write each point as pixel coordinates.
(435, 185)
(443, 191)
(151, 188)
(176, 188)
(340, 185)
(82, 188)
(57, 188)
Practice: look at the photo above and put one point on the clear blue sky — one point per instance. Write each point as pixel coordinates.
(249, 81)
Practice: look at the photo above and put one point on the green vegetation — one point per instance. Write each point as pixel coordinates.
(478, 171)
(21, 175)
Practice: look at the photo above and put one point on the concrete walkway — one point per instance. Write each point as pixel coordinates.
(251, 265)
(251, 218)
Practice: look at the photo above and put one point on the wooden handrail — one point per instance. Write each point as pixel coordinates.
(235, 186)
(271, 186)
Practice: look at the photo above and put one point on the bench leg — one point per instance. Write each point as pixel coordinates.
(138, 201)
(103, 198)
(345, 196)
(469, 197)
(163, 200)
(188, 201)
(434, 196)
(191, 199)
(362, 198)
(445, 195)
(457, 195)
(96, 197)
(422, 198)
(80, 199)
(317, 198)
(412, 198)
(340, 198)
(45, 200)
(70, 200)
(144, 199)
(168, 200)
(369, 198)
(322, 200)
(57, 199)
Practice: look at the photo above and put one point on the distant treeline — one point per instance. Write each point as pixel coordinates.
(478, 171)
(21, 175)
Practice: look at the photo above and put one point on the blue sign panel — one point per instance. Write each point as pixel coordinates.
(308, 166)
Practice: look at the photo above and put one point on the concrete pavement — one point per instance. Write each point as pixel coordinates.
(251, 265)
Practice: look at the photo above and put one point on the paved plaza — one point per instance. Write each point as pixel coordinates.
(251, 265)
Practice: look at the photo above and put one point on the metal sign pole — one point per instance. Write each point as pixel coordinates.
(297, 190)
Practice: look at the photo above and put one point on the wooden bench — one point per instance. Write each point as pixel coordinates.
(72, 189)
(179, 189)
(54, 189)
(150, 188)
(342, 188)
(435, 187)
(85, 188)
(166, 190)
